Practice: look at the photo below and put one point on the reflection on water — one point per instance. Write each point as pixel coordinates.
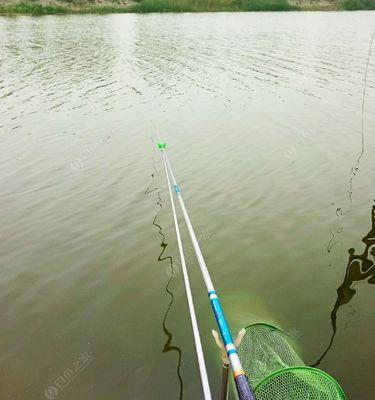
(161, 258)
(360, 268)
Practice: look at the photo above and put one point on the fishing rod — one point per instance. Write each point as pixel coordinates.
(244, 390)
(194, 324)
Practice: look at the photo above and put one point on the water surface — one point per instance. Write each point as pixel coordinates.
(262, 114)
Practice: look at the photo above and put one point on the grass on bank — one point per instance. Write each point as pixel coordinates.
(31, 9)
(35, 9)
(352, 5)
(148, 6)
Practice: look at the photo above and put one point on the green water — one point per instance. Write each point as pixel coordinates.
(262, 114)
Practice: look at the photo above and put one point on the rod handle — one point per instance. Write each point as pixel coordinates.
(243, 388)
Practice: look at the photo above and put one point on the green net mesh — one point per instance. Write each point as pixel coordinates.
(276, 372)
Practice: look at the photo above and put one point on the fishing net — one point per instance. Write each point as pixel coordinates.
(276, 372)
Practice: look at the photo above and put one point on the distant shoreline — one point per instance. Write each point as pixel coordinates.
(53, 7)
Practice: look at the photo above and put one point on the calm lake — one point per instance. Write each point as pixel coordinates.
(263, 117)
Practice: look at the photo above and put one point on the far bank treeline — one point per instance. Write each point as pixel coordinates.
(150, 6)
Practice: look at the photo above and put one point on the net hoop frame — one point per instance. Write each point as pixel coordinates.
(304, 368)
(269, 325)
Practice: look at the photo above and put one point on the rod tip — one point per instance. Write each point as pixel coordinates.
(162, 145)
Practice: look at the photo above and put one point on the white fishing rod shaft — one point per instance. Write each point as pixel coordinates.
(244, 389)
(194, 324)
(198, 252)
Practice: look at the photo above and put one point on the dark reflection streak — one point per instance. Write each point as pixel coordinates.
(168, 344)
(317, 363)
(331, 243)
(360, 268)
